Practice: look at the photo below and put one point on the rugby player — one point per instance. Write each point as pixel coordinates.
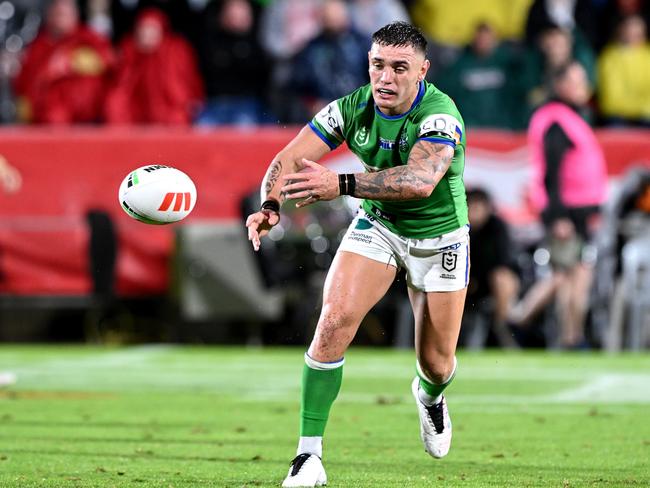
(411, 139)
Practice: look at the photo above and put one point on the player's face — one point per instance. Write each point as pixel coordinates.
(395, 75)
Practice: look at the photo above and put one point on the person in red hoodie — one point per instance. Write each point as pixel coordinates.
(157, 78)
(65, 70)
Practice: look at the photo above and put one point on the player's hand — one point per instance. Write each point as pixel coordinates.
(259, 224)
(313, 183)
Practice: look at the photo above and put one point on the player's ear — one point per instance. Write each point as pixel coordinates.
(423, 70)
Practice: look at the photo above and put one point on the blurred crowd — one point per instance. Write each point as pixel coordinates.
(247, 62)
(552, 67)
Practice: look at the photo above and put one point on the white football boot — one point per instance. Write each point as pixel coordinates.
(435, 424)
(307, 471)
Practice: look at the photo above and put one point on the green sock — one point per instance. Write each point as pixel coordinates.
(321, 383)
(434, 390)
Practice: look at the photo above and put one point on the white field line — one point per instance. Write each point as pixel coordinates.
(144, 368)
(609, 388)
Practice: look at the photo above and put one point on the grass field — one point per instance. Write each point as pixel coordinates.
(164, 416)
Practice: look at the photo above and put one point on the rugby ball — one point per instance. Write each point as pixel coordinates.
(157, 194)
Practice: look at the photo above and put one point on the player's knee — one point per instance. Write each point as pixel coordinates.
(337, 316)
(437, 368)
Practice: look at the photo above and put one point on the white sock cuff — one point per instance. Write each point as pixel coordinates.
(422, 374)
(310, 445)
(313, 364)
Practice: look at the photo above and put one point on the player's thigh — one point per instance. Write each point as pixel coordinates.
(438, 317)
(354, 284)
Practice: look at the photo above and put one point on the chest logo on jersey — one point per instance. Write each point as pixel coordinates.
(361, 136)
(404, 143)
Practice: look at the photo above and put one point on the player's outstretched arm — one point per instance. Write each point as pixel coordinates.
(307, 145)
(427, 164)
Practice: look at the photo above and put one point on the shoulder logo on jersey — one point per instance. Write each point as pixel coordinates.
(361, 136)
(331, 120)
(444, 125)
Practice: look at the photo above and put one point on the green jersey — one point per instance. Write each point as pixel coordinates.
(382, 141)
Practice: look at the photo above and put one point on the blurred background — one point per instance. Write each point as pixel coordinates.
(91, 90)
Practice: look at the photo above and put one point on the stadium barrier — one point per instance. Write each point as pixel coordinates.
(68, 172)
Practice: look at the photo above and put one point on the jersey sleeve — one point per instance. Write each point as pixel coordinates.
(328, 125)
(441, 128)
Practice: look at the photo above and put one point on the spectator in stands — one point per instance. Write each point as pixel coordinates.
(575, 16)
(624, 74)
(157, 78)
(626, 220)
(569, 187)
(494, 282)
(614, 12)
(370, 15)
(65, 71)
(480, 81)
(235, 66)
(285, 27)
(555, 48)
(446, 22)
(315, 73)
(184, 15)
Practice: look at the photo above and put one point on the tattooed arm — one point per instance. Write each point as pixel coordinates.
(305, 145)
(427, 164)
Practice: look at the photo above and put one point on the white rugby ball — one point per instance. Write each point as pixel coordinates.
(157, 194)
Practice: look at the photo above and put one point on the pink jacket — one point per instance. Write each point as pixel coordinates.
(583, 172)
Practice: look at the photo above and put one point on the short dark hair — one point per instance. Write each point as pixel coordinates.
(478, 194)
(401, 34)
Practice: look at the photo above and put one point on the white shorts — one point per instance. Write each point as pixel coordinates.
(438, 264)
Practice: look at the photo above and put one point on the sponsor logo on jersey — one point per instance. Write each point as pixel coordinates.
(443, 125)
(453, 247)
(448, 276)
(386, 144)
(449, 261)
(358, 236)
(361, 136)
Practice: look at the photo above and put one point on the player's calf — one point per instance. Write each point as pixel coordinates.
(435, 422)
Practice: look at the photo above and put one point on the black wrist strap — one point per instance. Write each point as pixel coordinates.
(352, 184)
(347, 184)
(343, 185)
(271, 205)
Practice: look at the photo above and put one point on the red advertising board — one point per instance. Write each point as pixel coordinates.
(66, 172)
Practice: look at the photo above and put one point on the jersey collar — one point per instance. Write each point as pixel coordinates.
(413, 105)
